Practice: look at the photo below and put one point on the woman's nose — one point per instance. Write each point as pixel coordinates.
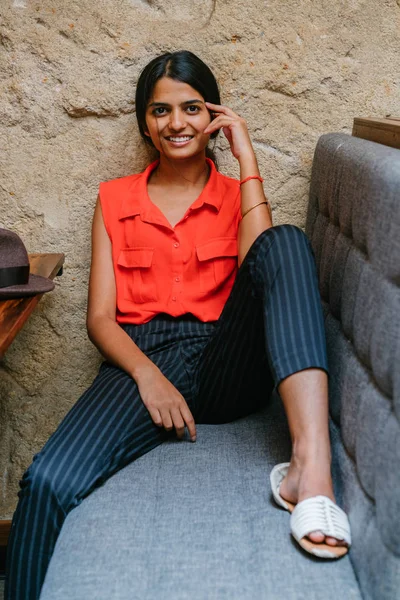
(177, 120)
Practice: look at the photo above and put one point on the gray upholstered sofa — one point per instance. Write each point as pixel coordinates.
(196, 521)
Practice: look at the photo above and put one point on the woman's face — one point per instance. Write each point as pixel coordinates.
(176, 117)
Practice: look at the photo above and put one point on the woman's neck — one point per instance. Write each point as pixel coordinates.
(182, 173)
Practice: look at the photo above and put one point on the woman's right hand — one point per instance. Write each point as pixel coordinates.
(166, 405)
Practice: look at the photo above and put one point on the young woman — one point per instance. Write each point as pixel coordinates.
(201, 308)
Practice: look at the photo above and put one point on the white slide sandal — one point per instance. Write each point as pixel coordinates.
(318, 513)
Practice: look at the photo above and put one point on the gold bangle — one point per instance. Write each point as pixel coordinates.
(255, 206)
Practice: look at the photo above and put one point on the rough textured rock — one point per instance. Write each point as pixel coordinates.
(68, 70)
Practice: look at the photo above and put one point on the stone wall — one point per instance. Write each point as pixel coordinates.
(294, 69)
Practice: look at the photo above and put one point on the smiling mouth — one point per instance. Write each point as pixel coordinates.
(179, 139)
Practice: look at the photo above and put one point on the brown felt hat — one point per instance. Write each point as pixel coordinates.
(15, 279)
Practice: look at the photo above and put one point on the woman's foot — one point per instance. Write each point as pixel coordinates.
(306, 479)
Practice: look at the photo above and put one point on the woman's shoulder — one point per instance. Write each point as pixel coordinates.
(229, 184)
(114, 193)
(126, 182)
(120, 182)
(230, 180)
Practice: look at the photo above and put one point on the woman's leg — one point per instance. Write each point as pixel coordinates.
(272, 324)
(304, 396)
(107, 428)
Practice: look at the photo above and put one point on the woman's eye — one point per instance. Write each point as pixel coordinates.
(159, 111)
(193, 108)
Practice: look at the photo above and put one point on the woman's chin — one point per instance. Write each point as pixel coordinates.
(183, 153)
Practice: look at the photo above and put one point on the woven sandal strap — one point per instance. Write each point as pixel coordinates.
(277, 475)
(320, 514)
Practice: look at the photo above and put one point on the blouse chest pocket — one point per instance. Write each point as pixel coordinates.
(217, 260)
(136, 269)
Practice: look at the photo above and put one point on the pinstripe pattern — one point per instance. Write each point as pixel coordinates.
(270, 327)
(274, 309)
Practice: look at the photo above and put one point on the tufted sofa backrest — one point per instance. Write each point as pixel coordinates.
(353, 223)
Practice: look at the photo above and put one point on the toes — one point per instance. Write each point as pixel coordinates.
(316, 536)
(331, 541)
(335, 542)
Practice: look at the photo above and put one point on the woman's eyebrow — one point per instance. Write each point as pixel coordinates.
(163, 104)
(195, 101)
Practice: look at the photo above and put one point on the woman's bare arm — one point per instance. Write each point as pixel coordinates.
(103, 330)
(252, 193)
(165, 404)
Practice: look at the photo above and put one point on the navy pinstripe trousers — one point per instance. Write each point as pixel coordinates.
(271, 326)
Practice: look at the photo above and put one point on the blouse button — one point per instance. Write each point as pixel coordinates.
(177, 278)
(176, 245)
(174, 298)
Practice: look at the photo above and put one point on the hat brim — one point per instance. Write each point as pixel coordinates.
(36, 285)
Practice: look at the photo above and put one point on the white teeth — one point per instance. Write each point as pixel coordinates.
(180, 139)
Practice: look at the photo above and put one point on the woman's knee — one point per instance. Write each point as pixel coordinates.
(282, 249)
(285, 233)
(285, 240)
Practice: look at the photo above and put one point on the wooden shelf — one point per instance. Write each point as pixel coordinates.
(382, 131)
(5, 526)
(14, 313)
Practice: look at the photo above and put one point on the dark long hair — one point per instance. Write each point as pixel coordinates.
(183, 66)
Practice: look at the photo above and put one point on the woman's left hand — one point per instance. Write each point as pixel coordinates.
(234, 128)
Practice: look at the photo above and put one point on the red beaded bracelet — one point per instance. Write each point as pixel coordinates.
(251, 177)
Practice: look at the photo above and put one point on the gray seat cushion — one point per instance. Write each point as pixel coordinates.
(194, 521)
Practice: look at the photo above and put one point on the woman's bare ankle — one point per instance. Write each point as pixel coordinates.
(307, 453)
(309, 475)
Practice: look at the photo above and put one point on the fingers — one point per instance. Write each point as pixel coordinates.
(176, 417)
(166, 405)
(217, 123)
(178, 423)
(227, 134)
(220, 108)
(224, 117)
(156, 417)
(188, 418)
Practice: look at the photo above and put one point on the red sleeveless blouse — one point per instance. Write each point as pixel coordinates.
(189, 268)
